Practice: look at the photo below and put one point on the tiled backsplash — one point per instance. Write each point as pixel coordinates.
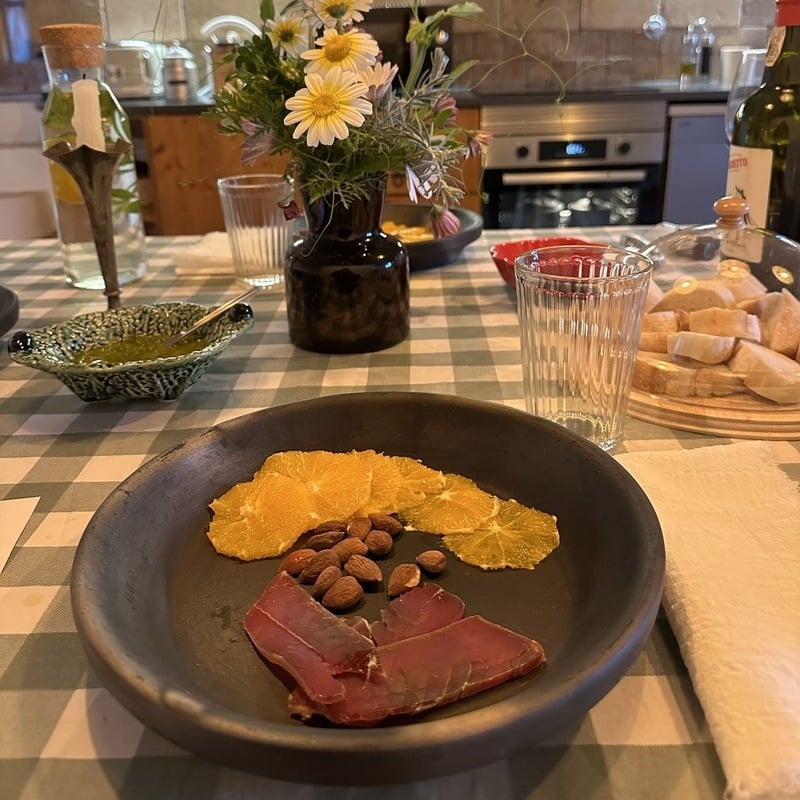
(596, 43)
(590, 43)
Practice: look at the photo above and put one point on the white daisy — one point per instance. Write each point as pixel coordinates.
(289, 32)
(327, 106)
(343, 11)
(352, 50)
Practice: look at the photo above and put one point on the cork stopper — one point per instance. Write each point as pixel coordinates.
(73, 44)
(732, 212)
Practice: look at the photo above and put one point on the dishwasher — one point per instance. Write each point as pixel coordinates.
(697, 162)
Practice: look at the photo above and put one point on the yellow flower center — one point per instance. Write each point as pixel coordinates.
(338, 49)
(324, 105)
(336, 10)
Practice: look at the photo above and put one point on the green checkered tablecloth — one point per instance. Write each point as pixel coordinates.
(63, 736)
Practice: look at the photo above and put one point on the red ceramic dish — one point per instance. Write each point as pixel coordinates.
(503, 254)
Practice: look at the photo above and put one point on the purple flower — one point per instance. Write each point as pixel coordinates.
(478, 142)
(444, 222)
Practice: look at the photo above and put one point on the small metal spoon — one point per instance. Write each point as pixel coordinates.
(218, 311)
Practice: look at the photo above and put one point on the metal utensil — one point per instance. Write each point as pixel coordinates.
(212, 315)
(655, 26)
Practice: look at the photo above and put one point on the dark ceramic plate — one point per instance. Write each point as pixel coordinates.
(159, 612)
(436, 252)
(9, 310)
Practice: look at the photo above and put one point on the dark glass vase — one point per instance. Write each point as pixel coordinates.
(347, 280)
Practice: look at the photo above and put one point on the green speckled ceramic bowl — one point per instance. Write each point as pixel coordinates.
(55, 349)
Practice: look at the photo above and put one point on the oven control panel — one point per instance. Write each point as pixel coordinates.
(575, 135)
(525, 152)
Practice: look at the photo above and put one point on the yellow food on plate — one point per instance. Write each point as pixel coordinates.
(407, 233)
(514, 536)
(261, 518)
(294, 491)
(459, 506)
(340, 483)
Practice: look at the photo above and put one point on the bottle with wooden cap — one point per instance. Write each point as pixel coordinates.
(81, 110)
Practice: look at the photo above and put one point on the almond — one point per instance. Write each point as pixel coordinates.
(432, 561)
(363, 569)
(378, 543)
(359, 527)
(344, 593)
(324, 540)
(385, 522)
(403, 578)
(331, 525)
(349, 547)
(296, 561)
(325, 580)
(320, 560)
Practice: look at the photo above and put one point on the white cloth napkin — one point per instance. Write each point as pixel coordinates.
(731, 523)
(15, 515)
(210, 256)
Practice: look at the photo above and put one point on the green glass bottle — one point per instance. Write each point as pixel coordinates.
(764, 166)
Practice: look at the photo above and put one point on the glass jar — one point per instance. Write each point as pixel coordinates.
(74, 59)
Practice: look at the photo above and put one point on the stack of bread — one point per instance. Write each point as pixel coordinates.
(720, 336)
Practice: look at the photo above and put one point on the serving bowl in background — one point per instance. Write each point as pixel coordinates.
(434, 252)
(504, 253)
(61, 349)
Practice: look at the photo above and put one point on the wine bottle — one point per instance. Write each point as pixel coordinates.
(764, 166)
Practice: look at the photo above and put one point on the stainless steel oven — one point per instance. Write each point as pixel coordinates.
(574, 164)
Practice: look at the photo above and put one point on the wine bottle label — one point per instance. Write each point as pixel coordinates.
(775, 45)
(749, 171)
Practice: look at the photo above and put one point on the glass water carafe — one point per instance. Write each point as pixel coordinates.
(74, 53)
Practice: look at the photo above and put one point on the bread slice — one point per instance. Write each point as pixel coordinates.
(780, 322)
(691, 294)
(660, 322)
(652, 373)
(654, 341)
(737, 277)
(767, 373)
(725, 322)
(701, 347)
(717, 381)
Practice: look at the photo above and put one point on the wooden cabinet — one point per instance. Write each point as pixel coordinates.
(186, 153)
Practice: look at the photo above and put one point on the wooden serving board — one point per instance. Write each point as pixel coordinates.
(741, 415)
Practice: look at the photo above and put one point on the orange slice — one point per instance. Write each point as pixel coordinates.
(416, 481)
(261, 519)
(516, 536)
(385, 483)
(339, 483)
(460, 506)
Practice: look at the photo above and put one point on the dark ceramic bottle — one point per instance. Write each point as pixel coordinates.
(347, 281)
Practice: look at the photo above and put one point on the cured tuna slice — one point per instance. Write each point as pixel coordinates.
(418, 611)
(291, 629)
(417, 674)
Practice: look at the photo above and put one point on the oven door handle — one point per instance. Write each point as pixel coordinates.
(572, 176)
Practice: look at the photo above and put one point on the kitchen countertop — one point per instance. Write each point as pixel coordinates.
(667, 90)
